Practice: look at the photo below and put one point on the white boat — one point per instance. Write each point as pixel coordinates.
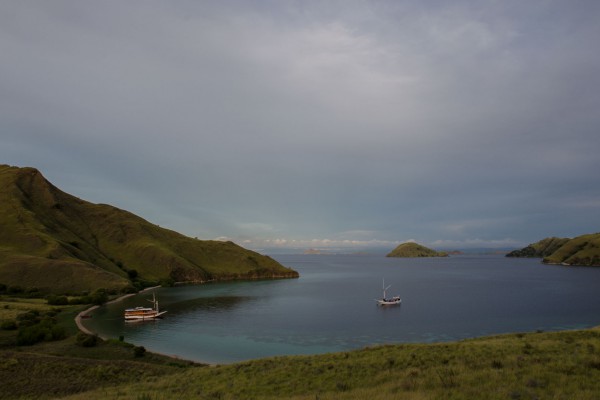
(144, 313)
(385, 301)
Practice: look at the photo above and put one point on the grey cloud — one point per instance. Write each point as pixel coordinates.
(295, 120)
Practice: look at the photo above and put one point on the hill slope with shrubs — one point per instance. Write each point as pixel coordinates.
(583, 250)
(57, 243)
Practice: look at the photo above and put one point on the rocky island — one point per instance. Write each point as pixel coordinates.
(411, 249)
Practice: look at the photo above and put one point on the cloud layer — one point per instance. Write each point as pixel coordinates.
(351, 122)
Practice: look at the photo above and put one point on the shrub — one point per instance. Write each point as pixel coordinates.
(85, 340)
(9, 325)
(99, 297)
(32, 334)
(15, 290)
(57, 332)
(29, 317)
(57, 300)
(33, 329)
(139, 351)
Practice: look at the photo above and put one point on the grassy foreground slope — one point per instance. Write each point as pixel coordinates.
(56, 242)
(411, 249)
(563, 365)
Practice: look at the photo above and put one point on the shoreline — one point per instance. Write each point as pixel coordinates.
(85, 312)
(85, 330)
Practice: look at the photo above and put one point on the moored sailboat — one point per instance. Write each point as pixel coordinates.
(385, 301)
(144, 313)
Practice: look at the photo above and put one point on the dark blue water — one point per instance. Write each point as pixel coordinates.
(332, 306)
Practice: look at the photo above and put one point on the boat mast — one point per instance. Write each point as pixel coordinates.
(385, 288)
(154, 302)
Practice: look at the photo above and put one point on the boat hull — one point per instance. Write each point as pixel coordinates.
(392, 302)
(145, 317)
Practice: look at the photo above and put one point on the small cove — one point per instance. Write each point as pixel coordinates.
(331, 306)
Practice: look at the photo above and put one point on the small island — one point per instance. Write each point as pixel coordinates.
(411, 250)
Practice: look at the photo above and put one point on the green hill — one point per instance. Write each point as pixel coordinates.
(411, 249)
(540, 249)
(582, 250)
(59, 243)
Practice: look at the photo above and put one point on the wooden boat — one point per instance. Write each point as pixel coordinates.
(144, 313)
(384, 301)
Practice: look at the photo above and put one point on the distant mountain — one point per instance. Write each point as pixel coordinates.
(582, 250)
(58, 243)
(411, 249)
(540, 249)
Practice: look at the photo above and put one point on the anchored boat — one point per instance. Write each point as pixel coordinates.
(384, 301)
(144, 313)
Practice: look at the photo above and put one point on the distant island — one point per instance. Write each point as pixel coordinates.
(411, 249)
(53, 242)
(583, 250)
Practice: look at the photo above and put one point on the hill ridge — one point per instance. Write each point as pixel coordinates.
(57, 242)
(582, 250)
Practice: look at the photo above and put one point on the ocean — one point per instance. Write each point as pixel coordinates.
(332, 307)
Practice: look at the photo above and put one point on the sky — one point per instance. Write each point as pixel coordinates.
(314, 124)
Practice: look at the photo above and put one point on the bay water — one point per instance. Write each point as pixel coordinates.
(332, 307)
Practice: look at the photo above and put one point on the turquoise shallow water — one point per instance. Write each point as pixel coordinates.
(331, 306)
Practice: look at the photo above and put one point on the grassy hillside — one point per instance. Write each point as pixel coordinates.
(540, 249)
(411, 249)
(582, 250)
(530, 366)
(56, 242)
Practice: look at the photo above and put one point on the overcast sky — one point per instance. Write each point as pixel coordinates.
(314, 123)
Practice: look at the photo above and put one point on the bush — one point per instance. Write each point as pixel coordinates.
(139, 351)
(57, 332)
(32, 334)
(132, 274)
(29, 317)
(57, 300)
(9, 325)
(15, 290)
(99, 297)
(85, 340)
(33, 329)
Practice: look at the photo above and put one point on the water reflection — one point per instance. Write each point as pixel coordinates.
(208, 304)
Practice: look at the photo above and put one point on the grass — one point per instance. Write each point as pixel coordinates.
(582, 250)
(537, 365)
(60, 368)
(57, 243)
(556, 365)
(11, 307)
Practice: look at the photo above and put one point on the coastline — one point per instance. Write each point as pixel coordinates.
(85, 330)
(85, 313)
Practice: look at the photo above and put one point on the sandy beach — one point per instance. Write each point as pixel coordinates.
(86, 312)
